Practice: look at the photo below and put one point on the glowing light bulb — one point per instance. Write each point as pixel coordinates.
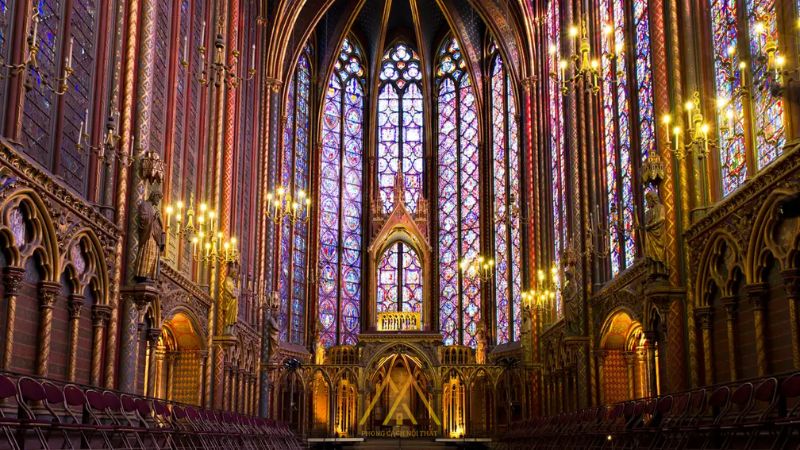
(573, 31)
(667, 119)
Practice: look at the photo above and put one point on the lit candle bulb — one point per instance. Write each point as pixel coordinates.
(742, 72)
(677, 132)
(573, 33)
(68, 64)
(780, 61)
(666, 120)
(562, 67)
(253, 57)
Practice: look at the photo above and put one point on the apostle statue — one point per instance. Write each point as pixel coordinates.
(480, 345)
(150, 232)
(654, 227)
(230, 298)
(272, 327)
(319, 348)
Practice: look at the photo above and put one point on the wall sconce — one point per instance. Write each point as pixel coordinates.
(31, 64)
(218, 72)
(584, 64)
(698, 130)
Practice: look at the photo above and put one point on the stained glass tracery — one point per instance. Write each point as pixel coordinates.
(399, 280)
(507, 194)
(617, 122)
(400, 131)
(341, 201)
(293, 245)
(459, 201)
(557, 148)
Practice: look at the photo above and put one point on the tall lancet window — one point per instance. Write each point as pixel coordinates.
(506, 201)
(341, 200)
(558, 156)
(294, 176)
(459, 196)
(741, 66)
(400, 149)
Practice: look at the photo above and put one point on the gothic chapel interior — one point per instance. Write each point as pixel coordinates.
(384, 223)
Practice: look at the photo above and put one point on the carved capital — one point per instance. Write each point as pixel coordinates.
(529, 83)
(757, 294)
(12, 279)
(47, 294)
(141, 294)
(791, 283)
(705, 316)
(731, 304)
(75, 306)
(101, 314)
(152, 335)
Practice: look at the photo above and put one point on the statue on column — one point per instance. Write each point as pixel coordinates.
(654, 227)
(480, 344)
(230, 298)
(319, 348)
(151, 235)
(271, 325)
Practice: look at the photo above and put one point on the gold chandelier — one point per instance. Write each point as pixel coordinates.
(200, 227)
(281, 205)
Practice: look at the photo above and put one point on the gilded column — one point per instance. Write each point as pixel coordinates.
(205, 394)
(241, 400)
(152, 345)
(75, 306)
(730, 304)
(226, 388)
(12, 281)
(630, 360)
(757, 294)
(791, 283)
(47, 299)
(601, 362)
(705, 315)
(172, 358)
(100, 317)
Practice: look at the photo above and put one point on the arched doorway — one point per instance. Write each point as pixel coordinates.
(624, 367)
(179, 358)
(402, 403)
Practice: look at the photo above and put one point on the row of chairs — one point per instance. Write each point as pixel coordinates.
(758, 414)
(42, 414)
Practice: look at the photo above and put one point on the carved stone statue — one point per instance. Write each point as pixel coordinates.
(273, 330)
(480, 345)
(151, 236)
(655, 220)
(319, 348)
(230, 298)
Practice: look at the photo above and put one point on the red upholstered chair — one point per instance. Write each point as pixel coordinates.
(158, 436)
(9, 425)
(30, 395)
(788, 426)
(96, 416)
(64, 419)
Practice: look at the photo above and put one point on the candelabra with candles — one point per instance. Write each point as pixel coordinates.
(544, 295)
(218, 72)
(31, 64)
(281, 205)
(109, 148)
(584, 64)
(199, 227)
(697, 132)
(479, 267)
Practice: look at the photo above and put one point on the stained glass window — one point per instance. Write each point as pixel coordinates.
(400, 117)
(6, 15)
(557, 149)
(294, 176)
(766, 119)
(341, 201)
(459, 201)
(40, 103)
(730, 122)
(617, 123)
(399, 280)
(762, 21)
(507, 194)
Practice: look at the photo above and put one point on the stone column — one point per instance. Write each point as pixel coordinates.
(12, 280)
(226, 388)
(47, 298)
(601, 362)
(205, 394)
(705, 317)
(172, 358)
(151, 339)
(791, 283)
(75, 306)
(731, 307)
(134, 299)
(630, 360)
(758, 294)
(100, 317)
(654, 363)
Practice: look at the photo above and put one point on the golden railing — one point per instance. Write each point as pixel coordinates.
(399, 321)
